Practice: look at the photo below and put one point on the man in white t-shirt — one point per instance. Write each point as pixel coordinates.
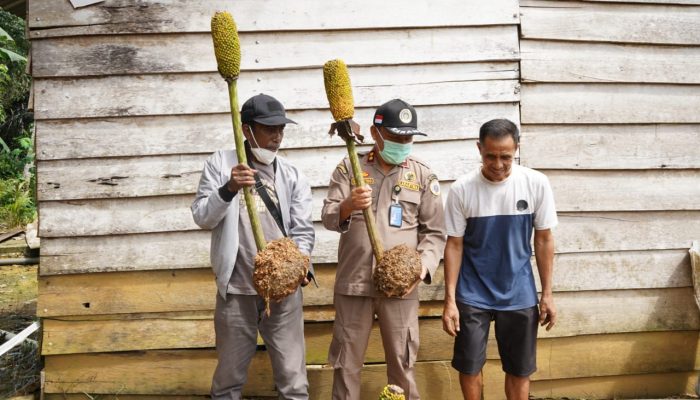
(490, 216)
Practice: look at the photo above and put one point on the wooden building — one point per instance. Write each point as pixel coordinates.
(128, 105)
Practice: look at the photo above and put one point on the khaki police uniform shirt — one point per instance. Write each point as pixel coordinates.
(422, 228)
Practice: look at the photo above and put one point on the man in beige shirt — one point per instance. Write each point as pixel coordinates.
(401, 187)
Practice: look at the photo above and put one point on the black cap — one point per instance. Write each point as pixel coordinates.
(398, 117)
(265, 110)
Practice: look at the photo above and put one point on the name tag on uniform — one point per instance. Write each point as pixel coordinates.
(395, 215)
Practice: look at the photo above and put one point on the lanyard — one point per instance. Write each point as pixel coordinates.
(273, 208)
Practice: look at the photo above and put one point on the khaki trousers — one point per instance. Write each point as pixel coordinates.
(237, 321)
(398, 325)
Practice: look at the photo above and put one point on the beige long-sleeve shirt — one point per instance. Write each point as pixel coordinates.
(422, 226)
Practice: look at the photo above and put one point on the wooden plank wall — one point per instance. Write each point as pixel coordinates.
(610, 94)
(129, 104)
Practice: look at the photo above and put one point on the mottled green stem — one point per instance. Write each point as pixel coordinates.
(240, 152)
(374, 239)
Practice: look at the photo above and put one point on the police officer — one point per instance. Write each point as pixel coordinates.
(404, 196)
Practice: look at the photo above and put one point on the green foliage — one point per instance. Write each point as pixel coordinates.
(17, 191)
(15, 27)
(17, 183)
(17, 206)
(14, 82)
(9, 43)
(14, 158)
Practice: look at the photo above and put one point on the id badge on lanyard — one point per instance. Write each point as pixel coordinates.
(395, 209)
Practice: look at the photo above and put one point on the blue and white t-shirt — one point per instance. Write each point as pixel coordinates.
(496, 220)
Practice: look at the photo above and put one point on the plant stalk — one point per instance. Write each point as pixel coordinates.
(377, 247)
(240, 152)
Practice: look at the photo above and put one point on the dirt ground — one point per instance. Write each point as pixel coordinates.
(18, 287)
(19, 369)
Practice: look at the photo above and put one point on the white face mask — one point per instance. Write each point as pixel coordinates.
(265, 156)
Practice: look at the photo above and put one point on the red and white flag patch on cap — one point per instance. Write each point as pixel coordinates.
(378, 119)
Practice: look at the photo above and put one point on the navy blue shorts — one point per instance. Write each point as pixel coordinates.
(516, 335)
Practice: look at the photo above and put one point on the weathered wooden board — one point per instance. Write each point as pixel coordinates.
(179, 174)
(554, 61)
(161, 372)
(198, 93)
(597, 103)
(192, 290)
(148, 54)
(610, 146)
(113, 16)
(620, 270)
(620, 354)
(625, 190)
(187, 134)
(626, 231)
(139, 372)
(116, 217)
(168, 250)
(624, 311)
(627, 23)
(109, 335)
(127, 292)
(119, 177)
(659, 385)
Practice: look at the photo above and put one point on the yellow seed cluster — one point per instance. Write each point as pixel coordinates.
(392, 392)
(227, 47)
(338, 90)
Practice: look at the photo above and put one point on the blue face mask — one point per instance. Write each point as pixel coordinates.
(394, 153)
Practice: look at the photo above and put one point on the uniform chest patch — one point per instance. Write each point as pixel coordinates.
(414, 186)
(368, 181)
(365, 175)
(434, 185)
(342, 169)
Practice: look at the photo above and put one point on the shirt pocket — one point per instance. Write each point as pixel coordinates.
(410, 203)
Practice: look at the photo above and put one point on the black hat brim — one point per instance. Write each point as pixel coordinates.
(405, 131)
(273, 120)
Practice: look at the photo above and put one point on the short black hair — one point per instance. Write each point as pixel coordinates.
(498, 129)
